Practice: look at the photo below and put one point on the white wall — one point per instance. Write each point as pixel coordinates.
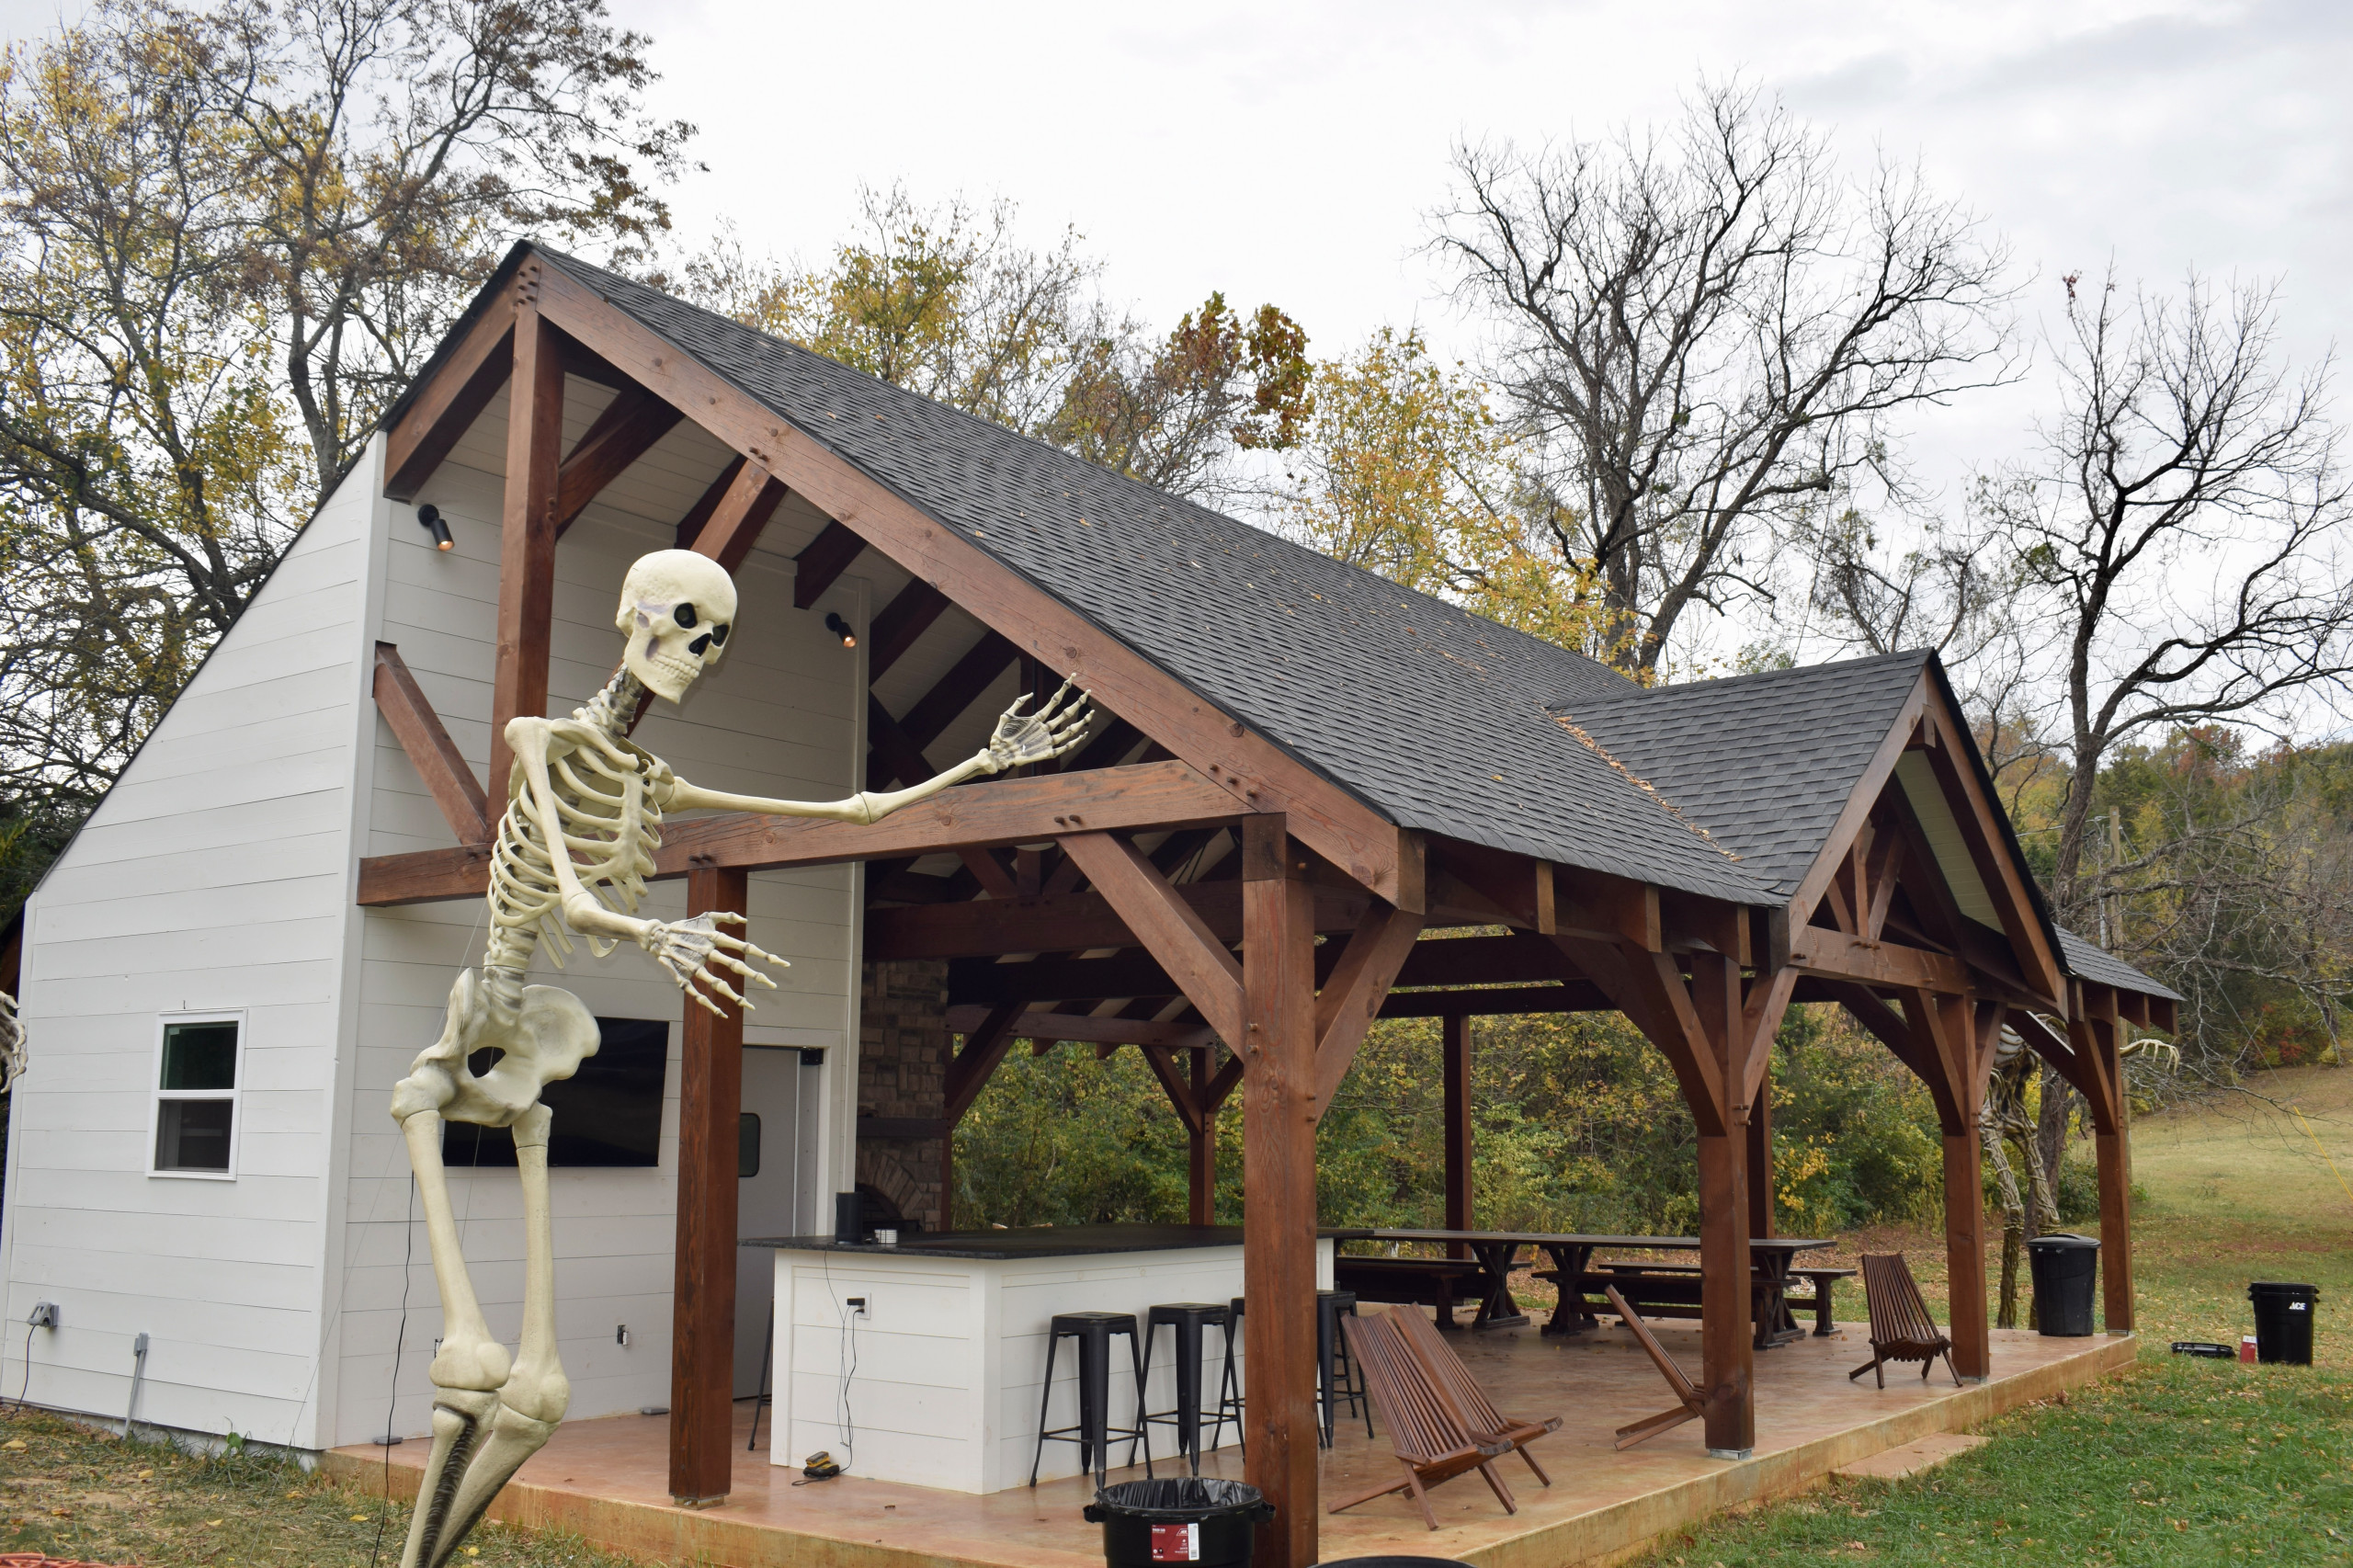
(216, 875)
(782, 715)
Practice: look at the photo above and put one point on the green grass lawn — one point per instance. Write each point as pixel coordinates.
(73, 1493)
(2179, 1461)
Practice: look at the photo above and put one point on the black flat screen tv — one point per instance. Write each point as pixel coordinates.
(608, 1113)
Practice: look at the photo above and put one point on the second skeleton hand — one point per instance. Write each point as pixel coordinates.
(689, 948)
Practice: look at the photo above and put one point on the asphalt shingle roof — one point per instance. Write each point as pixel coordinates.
(1765, 762)
(2089, 960)
(1443, 721)
(1432, 715)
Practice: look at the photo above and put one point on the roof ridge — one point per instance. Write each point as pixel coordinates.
(1915, 656)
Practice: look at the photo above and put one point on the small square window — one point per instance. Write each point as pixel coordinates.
(195, 1098)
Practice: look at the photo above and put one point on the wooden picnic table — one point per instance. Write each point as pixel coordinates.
(1572, 1254)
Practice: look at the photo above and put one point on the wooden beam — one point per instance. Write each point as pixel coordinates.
(1650, 992)
(702, 1323)
(1727, 1348)
(1893, 1032)
(624, 432)
(1350, 999)
(1861, 801)
(1517, 1000)
(1981, 829)
(1278, 1188)
(997, 812)
(820, 561)
(1816, 950)
(929, 715)
(897, 624)
(734, 524)
(985, 1046)
(429, 748)
(1068, 923)
(1085, 1028)
(459, 385)
(527, 534)
(691, 526)
(1257, 773)
(1167, 926)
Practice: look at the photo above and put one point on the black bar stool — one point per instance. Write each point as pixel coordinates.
(1187, 1319)
(1340, 1380)
(1229, 1383)
(1093, 1433)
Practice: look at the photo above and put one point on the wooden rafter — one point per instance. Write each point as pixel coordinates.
(450, 399)
(1259, 775)
(624, 432)
(823, 559)
(430, 750)
(1352, 994)
(897, 625)
(733, 526)
(929, 715)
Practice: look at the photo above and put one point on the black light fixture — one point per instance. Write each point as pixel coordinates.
(840, 628)
(428, 517)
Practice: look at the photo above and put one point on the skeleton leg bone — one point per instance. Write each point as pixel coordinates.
(488, 1416)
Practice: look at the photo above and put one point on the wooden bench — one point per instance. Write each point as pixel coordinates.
(1822, 1279)
(1434, 1282)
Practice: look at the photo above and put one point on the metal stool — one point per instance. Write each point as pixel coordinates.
(1229, 1383)
(1187, 1319)
(1340, 1380)
(1093, 1434)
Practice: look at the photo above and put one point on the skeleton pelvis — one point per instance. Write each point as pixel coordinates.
(546, 1038)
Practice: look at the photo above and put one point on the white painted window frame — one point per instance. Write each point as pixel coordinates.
(235, 1094)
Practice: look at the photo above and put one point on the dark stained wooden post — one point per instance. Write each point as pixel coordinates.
(2112, 1136)
(1965, 1190)
(1455, 1045)
(1760, 1157)
(1279, 1186)
(527, 528)
(1201, 1156)
(1726, 1317)
(702, 1321)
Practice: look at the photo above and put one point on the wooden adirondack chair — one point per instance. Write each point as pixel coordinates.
(1901, 1329)
(1650, 1426)
(1431, 1440)
(1470, 1401)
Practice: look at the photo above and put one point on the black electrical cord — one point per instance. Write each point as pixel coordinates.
(408, 1255)
(27, 1387)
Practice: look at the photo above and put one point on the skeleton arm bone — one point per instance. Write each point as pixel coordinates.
(1053, 730)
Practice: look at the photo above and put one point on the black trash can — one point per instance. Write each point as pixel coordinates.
(2065, 1267)
(1185, 1519)
(2283, 1322)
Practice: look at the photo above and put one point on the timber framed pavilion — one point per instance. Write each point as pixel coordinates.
(1300, 770)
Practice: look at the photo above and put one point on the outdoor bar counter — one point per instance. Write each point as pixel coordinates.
(944, 1367)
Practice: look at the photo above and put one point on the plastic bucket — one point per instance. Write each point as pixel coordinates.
(2283, 1322)
(2065, 1268)
(1186, 1519)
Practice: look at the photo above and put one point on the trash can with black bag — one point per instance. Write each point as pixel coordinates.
(2065, 1268)
(2283, 1322)
(1185, 1519)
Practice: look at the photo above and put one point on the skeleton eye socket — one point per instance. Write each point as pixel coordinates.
(719, 635)
(699, 645)
(683, 615)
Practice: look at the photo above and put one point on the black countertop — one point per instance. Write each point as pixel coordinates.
(1038, 1241)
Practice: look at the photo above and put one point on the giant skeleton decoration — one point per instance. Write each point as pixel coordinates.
(582, 819)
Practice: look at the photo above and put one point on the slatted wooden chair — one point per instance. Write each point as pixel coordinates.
(1901, 1329)
(1430, 1438)
(1470, 1401)
(1690, 1409)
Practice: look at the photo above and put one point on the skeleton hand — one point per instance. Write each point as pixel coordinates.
(689, 949)
(1053, 730)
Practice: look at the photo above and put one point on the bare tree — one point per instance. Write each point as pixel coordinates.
(2187, 521)
(1705, 335)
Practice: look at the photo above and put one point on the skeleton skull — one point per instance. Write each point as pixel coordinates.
(677, 608)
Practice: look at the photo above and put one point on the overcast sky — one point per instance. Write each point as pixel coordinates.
(1290, 153)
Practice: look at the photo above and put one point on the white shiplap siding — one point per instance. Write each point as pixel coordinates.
(214, 876)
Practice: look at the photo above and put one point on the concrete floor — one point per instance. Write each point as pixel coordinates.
(606, 1479)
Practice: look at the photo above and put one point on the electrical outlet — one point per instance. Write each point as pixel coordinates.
(621, 1335)
(858, 1305)
(43, 1315)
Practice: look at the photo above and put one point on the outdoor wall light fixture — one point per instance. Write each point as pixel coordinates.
(837, 626)
(428, 517)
